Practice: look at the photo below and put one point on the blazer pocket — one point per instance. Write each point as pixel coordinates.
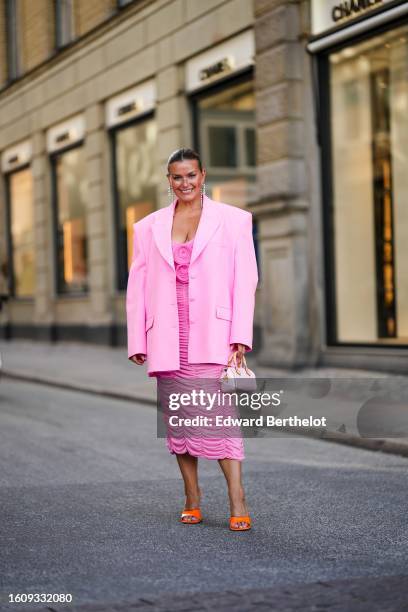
(224, 313)
(149, 323)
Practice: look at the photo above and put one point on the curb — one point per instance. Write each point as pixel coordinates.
(372, 444)
(92, 390)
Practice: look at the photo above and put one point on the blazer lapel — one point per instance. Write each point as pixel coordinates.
(209, 221)
(161, 229)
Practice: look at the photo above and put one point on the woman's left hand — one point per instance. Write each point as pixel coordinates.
(241, 348)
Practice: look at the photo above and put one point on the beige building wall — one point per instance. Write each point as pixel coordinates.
(144, 40)
(92, 13)
(37, 32)
(3, 53)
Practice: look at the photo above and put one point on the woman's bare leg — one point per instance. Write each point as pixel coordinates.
(189, 470)
(233, 475)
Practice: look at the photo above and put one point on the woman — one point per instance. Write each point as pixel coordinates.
(190, 304)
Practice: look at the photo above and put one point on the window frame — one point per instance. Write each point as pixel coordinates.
(64, 23)
(123, 3)
(13, 40)
(9, 236)
(242, 76)
(52, 157)
(118, 248)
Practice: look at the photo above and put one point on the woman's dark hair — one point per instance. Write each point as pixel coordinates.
(181, 155)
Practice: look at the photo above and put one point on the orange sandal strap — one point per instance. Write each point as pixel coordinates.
(196, 512)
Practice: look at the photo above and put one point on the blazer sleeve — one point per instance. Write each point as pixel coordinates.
(135, 297)
(244, 288)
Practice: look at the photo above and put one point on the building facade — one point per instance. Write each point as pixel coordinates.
(95, 95)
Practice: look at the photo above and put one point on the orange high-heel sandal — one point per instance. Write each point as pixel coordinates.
(195, 512)
(234, 520)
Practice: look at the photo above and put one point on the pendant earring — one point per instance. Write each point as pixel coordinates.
(202, 194)
(171, 194)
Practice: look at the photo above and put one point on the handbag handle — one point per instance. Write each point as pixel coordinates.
(233, 357)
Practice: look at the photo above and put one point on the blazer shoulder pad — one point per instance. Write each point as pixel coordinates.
(240, 216)
(145, 221)
(239, 213)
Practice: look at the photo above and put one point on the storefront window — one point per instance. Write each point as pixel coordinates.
(226, 127)
(136, 185)
(64, 22)
(369, 125)
(22, 233)
(71, 192)
(12, 10)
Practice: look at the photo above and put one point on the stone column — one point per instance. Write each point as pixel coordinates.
(283, 203)
(44, 306)
(172, 131)
(100, 248)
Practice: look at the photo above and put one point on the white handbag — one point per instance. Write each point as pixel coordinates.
(237, 379)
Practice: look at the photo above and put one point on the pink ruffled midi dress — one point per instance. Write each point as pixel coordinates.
(222, 443)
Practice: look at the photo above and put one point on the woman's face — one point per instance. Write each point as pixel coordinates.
(186, 179)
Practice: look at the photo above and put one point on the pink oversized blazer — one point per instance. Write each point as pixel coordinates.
(223, 277)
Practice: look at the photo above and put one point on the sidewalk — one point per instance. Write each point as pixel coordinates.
(107, 371)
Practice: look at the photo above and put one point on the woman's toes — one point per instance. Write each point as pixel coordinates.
(190, 519)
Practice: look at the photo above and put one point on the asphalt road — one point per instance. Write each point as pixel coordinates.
(90, 500)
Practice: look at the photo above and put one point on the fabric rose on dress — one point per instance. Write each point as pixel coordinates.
(182, 255)
(182, 273)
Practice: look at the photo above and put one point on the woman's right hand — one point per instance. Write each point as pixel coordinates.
(139, 359)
